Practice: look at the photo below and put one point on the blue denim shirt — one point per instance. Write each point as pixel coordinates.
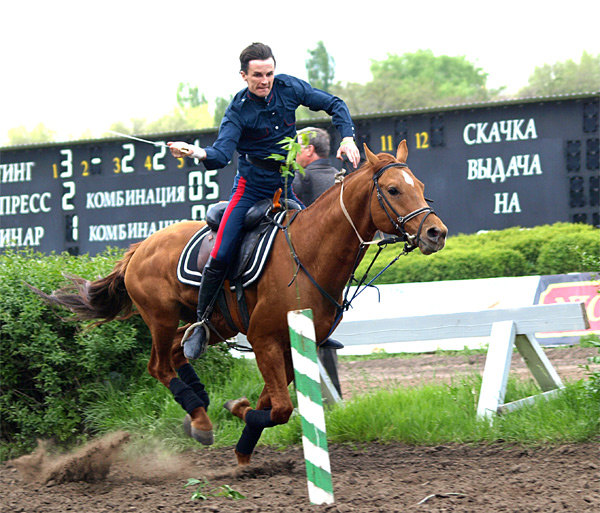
(254, 126)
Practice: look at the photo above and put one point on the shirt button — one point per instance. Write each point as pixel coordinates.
(276, 128)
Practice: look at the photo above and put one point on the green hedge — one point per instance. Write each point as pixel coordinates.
(552, 249)
(51, 369)
(48, 367)
(571, 253)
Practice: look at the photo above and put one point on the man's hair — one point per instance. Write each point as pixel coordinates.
(319, 138)
(256, 51)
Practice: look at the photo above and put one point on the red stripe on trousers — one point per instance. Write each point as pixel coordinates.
(239, 192)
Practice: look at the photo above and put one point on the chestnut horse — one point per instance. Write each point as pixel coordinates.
(327, 238)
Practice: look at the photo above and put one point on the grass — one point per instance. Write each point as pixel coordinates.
(425, 415)
(147, 408)
(434, 414)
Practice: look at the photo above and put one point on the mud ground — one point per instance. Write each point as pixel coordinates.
(366, 477)
(359, 376)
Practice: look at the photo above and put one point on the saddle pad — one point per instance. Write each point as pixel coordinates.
(187, 269)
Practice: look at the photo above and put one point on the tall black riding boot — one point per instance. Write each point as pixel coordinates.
(213, 275)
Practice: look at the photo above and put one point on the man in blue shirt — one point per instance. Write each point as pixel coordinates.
(255, 121)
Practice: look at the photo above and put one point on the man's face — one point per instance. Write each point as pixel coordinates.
(260, 77)
(303, 157)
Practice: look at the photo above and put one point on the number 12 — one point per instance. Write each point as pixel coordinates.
(422, 140)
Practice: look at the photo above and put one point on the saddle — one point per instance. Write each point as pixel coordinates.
(260, 225)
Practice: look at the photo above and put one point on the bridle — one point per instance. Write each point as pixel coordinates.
(398, 221)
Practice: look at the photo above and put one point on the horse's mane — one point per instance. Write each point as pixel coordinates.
(385, 158)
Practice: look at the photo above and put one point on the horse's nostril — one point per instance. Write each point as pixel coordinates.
(433, 233)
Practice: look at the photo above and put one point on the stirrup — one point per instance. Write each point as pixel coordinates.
(189, 331)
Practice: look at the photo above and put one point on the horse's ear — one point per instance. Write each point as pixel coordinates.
(371, 157)
(402, 152)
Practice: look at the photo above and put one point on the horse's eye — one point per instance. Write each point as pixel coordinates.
(392, 191)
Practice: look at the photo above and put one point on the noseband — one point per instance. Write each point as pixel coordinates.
(398, 221)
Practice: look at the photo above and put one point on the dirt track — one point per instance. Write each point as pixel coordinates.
(366, 478)
(358, 376)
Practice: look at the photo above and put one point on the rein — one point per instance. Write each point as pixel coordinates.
(411, 242)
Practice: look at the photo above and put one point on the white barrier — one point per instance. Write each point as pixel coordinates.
(455, 296)
(506, 328)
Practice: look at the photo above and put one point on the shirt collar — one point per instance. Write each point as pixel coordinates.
(260, 99)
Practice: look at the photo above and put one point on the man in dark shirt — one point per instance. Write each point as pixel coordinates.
(319, 174)
(255, 121)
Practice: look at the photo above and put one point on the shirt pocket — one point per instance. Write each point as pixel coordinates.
(255, 134)
(289, 117)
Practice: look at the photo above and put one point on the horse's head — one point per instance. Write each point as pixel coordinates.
(398, 205)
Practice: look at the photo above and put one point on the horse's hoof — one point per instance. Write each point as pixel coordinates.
(204, 437)
(243, 460)
(187, 425)
(238, 407)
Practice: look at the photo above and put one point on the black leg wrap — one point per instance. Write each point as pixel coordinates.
(259, 418)
(189, 377)
(256, 421)
(249, 439)
(185, 396)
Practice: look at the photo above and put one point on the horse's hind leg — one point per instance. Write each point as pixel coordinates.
(163, 358)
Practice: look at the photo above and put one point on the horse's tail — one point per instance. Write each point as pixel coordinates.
(104, 299)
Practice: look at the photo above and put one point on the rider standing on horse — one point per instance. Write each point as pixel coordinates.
(255, 122)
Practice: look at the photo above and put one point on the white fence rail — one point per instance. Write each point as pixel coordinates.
(506, 329)
(529, 319)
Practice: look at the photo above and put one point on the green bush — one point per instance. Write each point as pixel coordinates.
(570, 253)
(456, 265)
(551, 249)
(527, 241)
(48, 366)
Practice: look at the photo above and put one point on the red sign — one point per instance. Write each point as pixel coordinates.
(587, 292)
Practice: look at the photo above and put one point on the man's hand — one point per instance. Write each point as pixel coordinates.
(181, 149)
(348, 148)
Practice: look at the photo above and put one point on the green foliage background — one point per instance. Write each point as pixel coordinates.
(56, 376)
(411, 80)
(552, 249)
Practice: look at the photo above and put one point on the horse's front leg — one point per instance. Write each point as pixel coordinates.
(251, 434)
(196, 423)
(188, 391)
(274, 405)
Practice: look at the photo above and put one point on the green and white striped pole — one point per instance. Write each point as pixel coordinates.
(310, 405)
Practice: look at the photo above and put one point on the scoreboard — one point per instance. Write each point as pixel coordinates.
(84, 196)
(486, 166)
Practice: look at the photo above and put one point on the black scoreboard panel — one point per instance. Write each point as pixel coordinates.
(486, 167)
(84, 196)
(503, 165)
